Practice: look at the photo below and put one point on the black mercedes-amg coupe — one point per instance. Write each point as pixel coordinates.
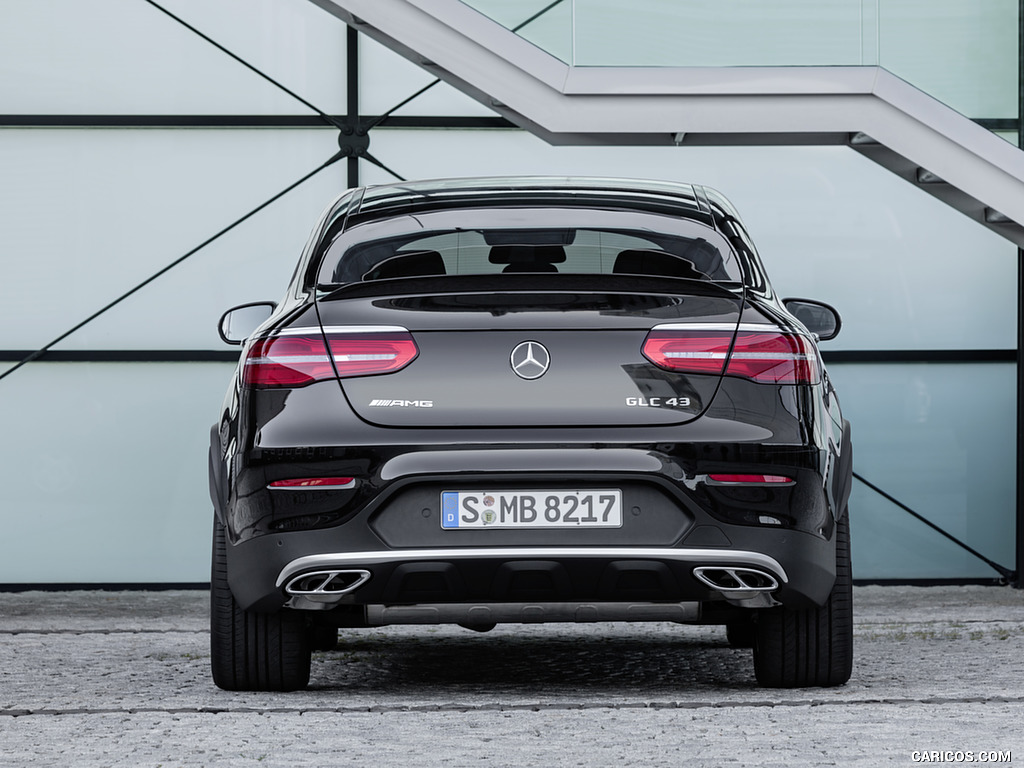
(509, 400)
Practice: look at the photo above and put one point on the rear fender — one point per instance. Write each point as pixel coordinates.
(844, 473)
(218, 484)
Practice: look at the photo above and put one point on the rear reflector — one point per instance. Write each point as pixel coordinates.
(324, 483)
(768, 357)
(297, 360)
(731, 479)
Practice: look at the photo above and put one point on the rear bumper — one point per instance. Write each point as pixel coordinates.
(673, 523)
(802, 565)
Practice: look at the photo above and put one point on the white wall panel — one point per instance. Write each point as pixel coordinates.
(941, 438)
(88, 214)
(126, 57)
(386, 80)
(103, 468)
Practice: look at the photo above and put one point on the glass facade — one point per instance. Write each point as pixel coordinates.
(105, 462)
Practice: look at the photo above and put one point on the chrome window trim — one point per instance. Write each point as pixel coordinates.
(730, 327)
(307, 329)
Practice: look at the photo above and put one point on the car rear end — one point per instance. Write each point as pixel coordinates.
(611, 427)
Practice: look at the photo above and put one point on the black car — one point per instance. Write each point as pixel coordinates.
(503, 400)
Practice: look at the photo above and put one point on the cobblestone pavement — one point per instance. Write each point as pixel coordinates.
(121, 678)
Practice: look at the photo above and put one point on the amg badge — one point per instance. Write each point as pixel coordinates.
(401, 403)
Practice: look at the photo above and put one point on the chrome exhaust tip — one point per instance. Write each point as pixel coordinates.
(734, 580)
(326, 586)
(739, 585)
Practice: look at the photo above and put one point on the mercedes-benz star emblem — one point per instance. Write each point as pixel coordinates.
(530, 360)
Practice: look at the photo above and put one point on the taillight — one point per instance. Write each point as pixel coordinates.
(286, 361)
(364, 354)
(768, 357)
(688, 351)
(295, 360)
(773, 358)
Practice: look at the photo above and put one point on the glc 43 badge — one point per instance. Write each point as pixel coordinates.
(658, 402)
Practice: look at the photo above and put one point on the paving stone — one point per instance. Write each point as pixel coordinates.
(121, 678)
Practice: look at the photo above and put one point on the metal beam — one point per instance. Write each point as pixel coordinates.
(1019, 582)
(352, 95)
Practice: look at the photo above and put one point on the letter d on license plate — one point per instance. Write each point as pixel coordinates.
(531, 509)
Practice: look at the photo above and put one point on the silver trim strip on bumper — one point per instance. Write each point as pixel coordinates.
(694, 557)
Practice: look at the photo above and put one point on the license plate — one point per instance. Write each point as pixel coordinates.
(531, 509)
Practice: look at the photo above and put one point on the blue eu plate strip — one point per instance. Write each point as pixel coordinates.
(449, 509)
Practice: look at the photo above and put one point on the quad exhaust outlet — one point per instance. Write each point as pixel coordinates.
(326, 586)
(724, 579)
(747, 587)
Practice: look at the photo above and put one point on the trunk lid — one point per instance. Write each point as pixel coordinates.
(530, 358)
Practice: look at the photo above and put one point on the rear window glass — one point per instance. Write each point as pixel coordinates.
(504, 241)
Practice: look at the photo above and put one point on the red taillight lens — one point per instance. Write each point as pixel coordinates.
(363, 354)
(689, 351)
(297, 360)
(287, 361)
(768, 357)
(773, 358)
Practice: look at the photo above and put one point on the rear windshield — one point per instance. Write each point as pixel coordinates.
(524, 240)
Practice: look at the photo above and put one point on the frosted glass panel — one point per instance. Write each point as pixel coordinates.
(942, 440)
(905, 270)
(546, 25)
(683, 33)
(126, 57)
(104, 472)
(699, 33)
(962, 52)
(88, 214)
(387, 79)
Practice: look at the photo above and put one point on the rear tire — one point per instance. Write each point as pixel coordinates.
(253, 651)
(813, 646)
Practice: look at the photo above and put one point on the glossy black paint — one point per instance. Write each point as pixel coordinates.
(572, 428)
